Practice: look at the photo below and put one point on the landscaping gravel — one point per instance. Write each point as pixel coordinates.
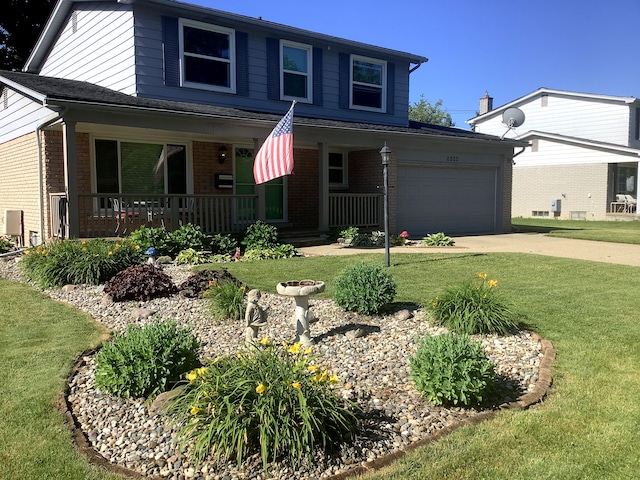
(370, 355)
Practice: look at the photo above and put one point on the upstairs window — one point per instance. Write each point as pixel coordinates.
(368, 84)
(208, 56)
(296, 71)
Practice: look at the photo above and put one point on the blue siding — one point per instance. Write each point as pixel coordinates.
(258, 73)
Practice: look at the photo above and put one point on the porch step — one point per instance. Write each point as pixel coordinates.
(303, 239)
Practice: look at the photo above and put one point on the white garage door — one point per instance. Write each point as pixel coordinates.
(451, 200)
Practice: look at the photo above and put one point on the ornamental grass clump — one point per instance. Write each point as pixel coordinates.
(146, 360)
(450, 369)
(473, 308)
(364, 288)
(226, 299)
(272, 400)
(78, 262)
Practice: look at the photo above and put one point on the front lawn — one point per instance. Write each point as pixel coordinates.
(586, 428)
(601, 231)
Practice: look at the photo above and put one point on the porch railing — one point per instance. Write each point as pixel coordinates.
(355, 210)
(106, 215)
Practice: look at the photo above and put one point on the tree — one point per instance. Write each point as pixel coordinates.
(426, 112)
(21, 22)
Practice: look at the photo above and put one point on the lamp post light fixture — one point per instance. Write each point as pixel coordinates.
(222, 154)
(385, 153)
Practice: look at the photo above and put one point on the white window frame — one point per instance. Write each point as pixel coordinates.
(231, 60)
(309, 73)
(343, 168)
(383, 87)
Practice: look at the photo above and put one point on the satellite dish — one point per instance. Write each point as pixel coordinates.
(513, 117)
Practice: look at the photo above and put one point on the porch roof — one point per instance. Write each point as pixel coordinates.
(58, 93)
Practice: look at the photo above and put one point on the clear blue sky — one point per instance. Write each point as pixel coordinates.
(506, 47)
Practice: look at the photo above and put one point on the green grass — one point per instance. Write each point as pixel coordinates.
(602, 231)
(588, 427)
(39, 340)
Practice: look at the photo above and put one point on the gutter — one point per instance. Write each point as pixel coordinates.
(46, 123)
(417, 66)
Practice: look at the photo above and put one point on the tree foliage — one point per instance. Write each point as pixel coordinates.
(427, 112)
(21, 22)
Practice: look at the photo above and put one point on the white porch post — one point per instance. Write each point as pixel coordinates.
(261, 212)
(71, 177)
(323, 187)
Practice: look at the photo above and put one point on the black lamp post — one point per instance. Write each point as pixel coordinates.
(385, 153)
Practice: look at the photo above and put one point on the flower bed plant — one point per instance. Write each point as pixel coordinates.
(274, 400)
(78, 262)
(146, 360)
(450, 369)
(473, 308)
(364, 288)
(226, 299)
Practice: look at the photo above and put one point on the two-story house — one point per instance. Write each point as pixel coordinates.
(132, 112)
(583, 159)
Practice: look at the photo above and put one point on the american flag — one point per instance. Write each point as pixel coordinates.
(275, 157)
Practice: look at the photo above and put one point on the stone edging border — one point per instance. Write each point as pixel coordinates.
(540, 390)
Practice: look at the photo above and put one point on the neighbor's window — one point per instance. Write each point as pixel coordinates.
(337, 168)
(625, 178)
(208, 56)
(140, 168)
(295, 71)
(368, 84)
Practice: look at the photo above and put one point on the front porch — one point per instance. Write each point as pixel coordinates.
(108, 215)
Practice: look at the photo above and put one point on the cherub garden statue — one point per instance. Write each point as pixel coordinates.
(255, 317)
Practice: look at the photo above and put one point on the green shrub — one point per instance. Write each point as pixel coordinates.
(6, 245)
(347, 234)
(145, 237)
(141, 283)
(78, 262)
(146, 361)
(377, 238)
(361, 240)
(450, 369)
(364, 288)
(473, 308)
(269, 400)
(223, 244)
(260, 235)
(185, 237)
(281, 251)
(192, 257)
(438, 240)
(226, 299)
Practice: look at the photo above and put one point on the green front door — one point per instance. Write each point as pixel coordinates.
(245, 185)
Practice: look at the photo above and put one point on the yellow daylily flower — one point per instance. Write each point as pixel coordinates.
(194, 410)
(296, 385)
(265, 341)
(295, 348)
(260, 389)
(313, 368)
(482, 275)
(333, 378)
(192, 375)
(307, 351)
(492, 283)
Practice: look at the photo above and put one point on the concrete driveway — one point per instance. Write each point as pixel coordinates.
(535, 243)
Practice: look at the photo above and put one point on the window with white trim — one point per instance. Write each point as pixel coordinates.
(296, 71)
(337, 169)
(207, 55)
(368, 84)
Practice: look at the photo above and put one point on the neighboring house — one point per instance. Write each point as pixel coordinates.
(134, 112)
(583, 159)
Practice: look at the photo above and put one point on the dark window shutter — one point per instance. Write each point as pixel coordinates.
(273, 69)
(242, 63)
(391, 87)
(344, 64)
(317, 76)
(171, 52)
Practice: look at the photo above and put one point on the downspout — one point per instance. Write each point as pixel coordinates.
(417, 66)
(521, 151)
(46, 123)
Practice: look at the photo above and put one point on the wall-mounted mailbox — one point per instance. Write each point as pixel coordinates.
(555, 205)
(224, 180)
